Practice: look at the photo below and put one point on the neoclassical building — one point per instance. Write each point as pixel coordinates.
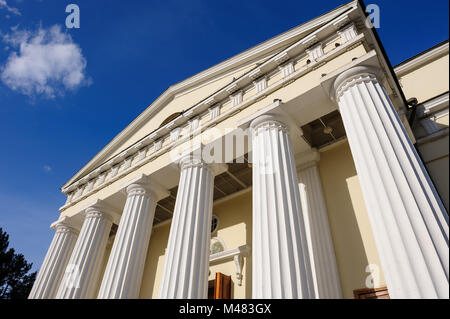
(304, 167)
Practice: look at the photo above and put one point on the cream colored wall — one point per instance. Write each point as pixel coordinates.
(427, 81)
(350, 227)
(235, 220)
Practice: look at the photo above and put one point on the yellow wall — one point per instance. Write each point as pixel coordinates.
(427, 81)
(350, 227)
(235, 220)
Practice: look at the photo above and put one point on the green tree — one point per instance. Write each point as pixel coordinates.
(15, 282)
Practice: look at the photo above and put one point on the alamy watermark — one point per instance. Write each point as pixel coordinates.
(373, 18)
(73, 19)
(72, 277)
(373, 279)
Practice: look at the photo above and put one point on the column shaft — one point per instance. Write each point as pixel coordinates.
(321, 249)
(125, 268)
(409, 221)
(83, 270)
(55, 262)
(281, 266)
(187, 259)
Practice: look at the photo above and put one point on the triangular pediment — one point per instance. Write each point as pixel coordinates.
(180, 97)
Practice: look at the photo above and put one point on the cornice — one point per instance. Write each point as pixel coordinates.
(421, 59)
(433, 105)
(225, 66)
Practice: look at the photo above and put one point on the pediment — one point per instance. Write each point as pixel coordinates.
(182, 97)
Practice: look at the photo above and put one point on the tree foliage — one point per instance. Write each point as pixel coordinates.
(15, 282)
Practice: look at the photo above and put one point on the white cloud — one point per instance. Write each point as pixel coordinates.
(4, 5)
(46, 62)
(47, 168)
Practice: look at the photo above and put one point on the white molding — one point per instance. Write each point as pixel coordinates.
(236, 99)
(348, 32)
(315, 52)
(433, 105)
(175, 134)
(287, 69)
(214, 112)
(421, 59)
(236, 254)
(260, 85)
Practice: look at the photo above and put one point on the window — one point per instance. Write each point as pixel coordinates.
(371, 293)
(220, 288)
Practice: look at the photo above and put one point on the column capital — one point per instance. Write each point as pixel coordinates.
(100, 209)
(189, 161)
(143, 184)
(65, 224)
(353, 76)
(269, 121)
(195, 157)
(271, 116)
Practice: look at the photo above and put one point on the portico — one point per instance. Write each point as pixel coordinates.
(140, 213)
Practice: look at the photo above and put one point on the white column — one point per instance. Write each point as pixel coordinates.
(125, 267)
(281, 266)
(55, 261)
(186, 266)
(409, 222)
(83, 270)
(321, 250)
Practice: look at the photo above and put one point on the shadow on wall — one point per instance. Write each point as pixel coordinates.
(350, 228)
(154, 262)
(235, 228)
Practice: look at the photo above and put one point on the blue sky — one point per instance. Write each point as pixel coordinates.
(58, 109)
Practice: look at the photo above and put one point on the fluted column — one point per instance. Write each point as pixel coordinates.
(186, 266)
(55, 261)
(125, 267)
(83, 270)
(409, 221)
(281, 266)
(321, 250)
